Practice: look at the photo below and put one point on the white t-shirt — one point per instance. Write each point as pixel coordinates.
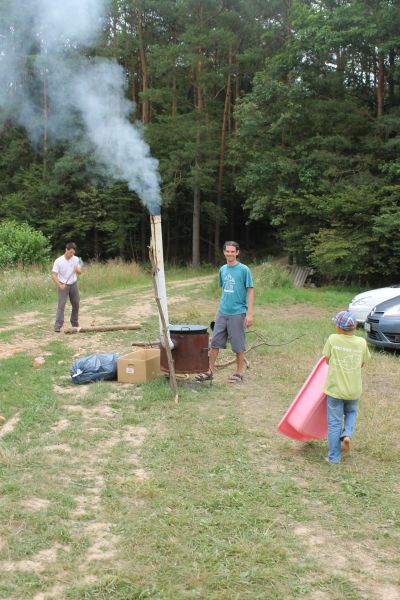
(65, 269)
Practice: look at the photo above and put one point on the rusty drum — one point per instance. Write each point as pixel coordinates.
(190, 351)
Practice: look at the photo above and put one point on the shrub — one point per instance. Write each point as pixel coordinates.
(272, 275)
(21, 244)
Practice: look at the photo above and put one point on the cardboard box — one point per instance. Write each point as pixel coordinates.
(139, 366)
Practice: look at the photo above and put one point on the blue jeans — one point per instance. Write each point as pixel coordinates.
(336, 411)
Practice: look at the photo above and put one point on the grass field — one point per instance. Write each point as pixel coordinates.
(112, 491)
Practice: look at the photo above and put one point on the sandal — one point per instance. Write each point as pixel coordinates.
(236, 378)
(208, 376)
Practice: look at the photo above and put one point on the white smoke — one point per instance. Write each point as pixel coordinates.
(52, 32)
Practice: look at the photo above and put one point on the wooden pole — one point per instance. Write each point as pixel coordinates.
(102, 328)
(172, 376)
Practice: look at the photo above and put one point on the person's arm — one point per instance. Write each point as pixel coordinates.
(77, 266)
(327, 350)
(250, 305)
(54, 276)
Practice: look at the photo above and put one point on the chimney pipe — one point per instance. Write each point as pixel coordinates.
(157, 246)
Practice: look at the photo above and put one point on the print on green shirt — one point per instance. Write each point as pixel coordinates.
(346, 354)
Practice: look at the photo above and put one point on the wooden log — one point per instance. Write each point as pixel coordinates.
(154, 344)
(102, 328)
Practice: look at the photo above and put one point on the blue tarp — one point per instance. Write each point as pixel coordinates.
(94, 368)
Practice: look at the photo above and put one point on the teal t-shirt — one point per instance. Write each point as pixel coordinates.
(234, 282)
(346, 354)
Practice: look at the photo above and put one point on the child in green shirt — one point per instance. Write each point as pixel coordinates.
(346, 354)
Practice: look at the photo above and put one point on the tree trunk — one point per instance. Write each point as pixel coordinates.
(45, 111)
(381, 83)
(133, 84)
(392, 58)
(145, 79)
(237, 91)
(96, 241)
(217, 241)
(174, 98)
(199, 104)
(196, 228)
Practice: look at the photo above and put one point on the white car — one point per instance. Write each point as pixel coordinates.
(363, 303)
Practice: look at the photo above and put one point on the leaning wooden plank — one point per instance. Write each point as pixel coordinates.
(104, 328)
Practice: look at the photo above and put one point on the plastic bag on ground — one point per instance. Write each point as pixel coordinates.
(95, 367)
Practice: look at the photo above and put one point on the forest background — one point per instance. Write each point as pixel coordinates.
(275, 123)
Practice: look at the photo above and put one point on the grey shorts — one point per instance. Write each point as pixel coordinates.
(231, 326)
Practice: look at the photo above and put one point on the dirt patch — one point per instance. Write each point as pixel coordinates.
(10, 425)
(104, 543)
(134, 436)
(61, 425)
(358, 562)
(192, 282)
(35, 504)
(23, 320)
(76, 390)
(28, 345)
(55, 593)
(104, 411)
(57, 448)
(38, 564)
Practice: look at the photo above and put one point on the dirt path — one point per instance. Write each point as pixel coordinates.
(135, 307)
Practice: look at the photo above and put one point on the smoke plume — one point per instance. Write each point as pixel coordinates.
(43, 38)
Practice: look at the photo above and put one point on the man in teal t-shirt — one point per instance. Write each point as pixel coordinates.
(346, 354)
(235, 312)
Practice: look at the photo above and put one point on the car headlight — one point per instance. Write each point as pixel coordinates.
(393, 311)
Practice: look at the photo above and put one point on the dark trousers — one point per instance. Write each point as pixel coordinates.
(71, 292)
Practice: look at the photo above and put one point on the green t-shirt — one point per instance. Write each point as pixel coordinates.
(346, 354)
(234, 281)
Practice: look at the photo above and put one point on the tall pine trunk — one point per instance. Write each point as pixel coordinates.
(196, 228)
(45, 113)
(199, 104)
(226, 114)
(392, 66)
(381, 83)
(145, 77)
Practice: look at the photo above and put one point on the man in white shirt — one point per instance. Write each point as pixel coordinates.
(65, 275)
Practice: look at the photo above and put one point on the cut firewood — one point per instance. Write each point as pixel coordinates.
(103, 328)
(153, 344)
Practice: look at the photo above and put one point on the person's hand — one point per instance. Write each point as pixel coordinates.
(62, 286)
(249, 319)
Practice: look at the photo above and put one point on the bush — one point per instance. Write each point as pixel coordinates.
(272, 275)
(21, 244)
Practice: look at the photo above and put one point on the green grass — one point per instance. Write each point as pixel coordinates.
(115, 492)
(32, 287)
